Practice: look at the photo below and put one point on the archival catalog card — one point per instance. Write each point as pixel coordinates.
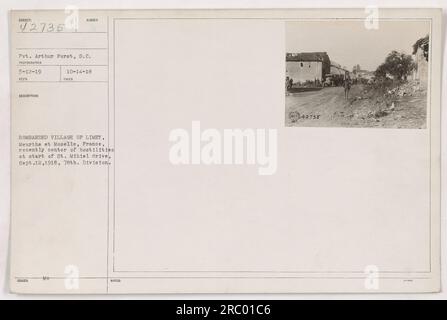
(225, 151)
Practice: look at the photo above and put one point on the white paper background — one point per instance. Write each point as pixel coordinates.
(92, 4)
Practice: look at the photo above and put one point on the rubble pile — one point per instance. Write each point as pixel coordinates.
(374, 103)
(406, 89)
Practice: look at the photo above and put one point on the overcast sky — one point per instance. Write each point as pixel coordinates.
(349, 42)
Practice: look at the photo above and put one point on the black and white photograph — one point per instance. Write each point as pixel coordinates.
(346, 73)
(224, 157)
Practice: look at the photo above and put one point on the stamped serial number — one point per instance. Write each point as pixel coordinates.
(294, 116)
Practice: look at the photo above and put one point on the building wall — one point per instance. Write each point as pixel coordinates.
(301, 71)
(421, 72)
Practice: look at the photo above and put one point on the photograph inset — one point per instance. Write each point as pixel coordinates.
(341, 74)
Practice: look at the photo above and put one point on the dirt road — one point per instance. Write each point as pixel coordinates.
(328, 108)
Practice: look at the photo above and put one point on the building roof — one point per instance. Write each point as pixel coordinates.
(307, 56)
(337, 65)
(365, 72)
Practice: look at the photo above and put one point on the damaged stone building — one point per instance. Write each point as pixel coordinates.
(421, 54)
(307, 66)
